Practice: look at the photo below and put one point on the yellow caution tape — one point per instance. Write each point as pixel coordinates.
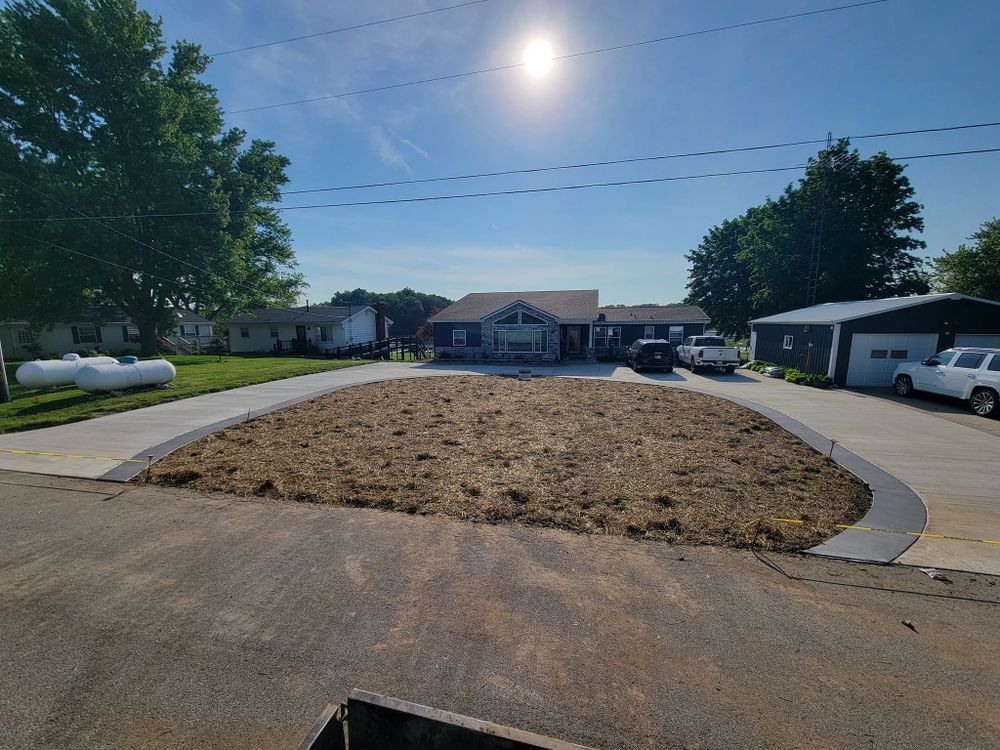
(71, 455)
(895, 531)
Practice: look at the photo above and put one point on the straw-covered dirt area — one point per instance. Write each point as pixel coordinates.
(591, 456)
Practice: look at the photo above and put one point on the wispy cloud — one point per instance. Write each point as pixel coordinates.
(386, 149)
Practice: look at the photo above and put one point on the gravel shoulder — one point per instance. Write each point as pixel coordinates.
(163, 618)
(590, 456)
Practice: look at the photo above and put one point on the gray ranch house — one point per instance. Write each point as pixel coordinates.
(307, 330)
(551, 326)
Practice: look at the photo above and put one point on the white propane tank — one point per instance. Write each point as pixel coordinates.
(119, 376)
(50, 373)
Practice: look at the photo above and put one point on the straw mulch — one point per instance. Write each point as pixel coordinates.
(591, 456)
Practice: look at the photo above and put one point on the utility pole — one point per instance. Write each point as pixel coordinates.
(4, 388)
(812, 280)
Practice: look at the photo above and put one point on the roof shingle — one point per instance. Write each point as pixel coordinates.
(567, 304)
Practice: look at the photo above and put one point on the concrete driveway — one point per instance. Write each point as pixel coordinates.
(952, 466)
(159, 619)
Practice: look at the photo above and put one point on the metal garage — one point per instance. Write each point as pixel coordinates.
(874, 356)
(860, 343)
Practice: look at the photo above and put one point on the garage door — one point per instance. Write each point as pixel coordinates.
(875, 355)
(978, 339)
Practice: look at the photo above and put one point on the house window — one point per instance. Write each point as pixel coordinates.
(899, 353)
(520, 318)
(274, 331)
(458, 337)
(787, 343)
(879, 353)
(197, 331)
(24, 336)
(600, 336)
(521, 341)
(614, 336)
(87, 334)
(323, 335)
(676, 334)
(649, 332)
(245, 332)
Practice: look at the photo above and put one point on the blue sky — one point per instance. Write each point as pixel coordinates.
(904, 64)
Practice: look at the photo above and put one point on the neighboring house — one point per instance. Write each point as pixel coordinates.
(96, 330)
(193, 327)
(307, 329)
(549, 326)
(860, 343)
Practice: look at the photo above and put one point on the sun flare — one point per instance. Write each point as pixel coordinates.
(538, 58)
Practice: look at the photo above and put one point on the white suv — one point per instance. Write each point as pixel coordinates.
(968, 373)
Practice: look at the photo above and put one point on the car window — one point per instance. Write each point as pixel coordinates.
(688, 340)
(712, 341)
(969, 360)
(945, 357)
(661, 346)
(994, 365)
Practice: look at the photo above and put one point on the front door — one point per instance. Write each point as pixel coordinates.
(572, 339)
(300, 338)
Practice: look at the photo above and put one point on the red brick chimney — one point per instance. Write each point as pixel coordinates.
(380, 332)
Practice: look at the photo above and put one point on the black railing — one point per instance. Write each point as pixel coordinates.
(398, 347)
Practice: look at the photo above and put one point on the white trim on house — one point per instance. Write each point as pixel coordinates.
(465, 337)
(788, 342)
(864, 309)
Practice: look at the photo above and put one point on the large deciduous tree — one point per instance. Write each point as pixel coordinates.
(98, 117)
(758, 264)
(972, 269)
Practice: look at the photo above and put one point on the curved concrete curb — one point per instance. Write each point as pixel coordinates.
(894, 504)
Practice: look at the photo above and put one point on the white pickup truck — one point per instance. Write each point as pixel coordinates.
(708, 351)
(969, 373)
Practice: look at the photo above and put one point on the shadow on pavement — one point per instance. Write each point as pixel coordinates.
(945, 407)
(721, 377)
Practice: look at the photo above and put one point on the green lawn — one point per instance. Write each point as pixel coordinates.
(195, 375)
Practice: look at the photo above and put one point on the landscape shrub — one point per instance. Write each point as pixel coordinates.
(797, 376)
(759, 364)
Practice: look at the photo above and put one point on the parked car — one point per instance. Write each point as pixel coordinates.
(969, 373)
(708, 351)
(650, 354)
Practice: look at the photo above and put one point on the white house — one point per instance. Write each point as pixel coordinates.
(103, 330)
(304, 329)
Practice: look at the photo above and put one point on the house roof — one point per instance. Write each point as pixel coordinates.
(189, 317)
(643, 313)
(839, 312)
(295, 315)
(569, 304)
(319, 314)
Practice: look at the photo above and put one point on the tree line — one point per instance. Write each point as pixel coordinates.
(407, 308)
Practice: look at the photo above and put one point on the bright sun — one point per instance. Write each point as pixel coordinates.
(538, 58)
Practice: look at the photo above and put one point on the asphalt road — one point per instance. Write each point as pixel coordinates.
(142, 617)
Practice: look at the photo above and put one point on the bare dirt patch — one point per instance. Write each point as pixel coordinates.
(585, 455)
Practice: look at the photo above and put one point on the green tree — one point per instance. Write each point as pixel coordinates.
(408, 309)
(972, 269)
(759, 264)
(98, 116)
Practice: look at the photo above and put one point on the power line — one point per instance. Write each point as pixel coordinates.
(634, 160)
(571, 56)
(108, 262)
(522, 191)
(126, 235)
(355, 27)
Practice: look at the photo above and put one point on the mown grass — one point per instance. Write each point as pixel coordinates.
(196, 374)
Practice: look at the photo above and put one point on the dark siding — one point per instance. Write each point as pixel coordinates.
(946, 318)
(473, 333)
(770, 340)
(633, 331)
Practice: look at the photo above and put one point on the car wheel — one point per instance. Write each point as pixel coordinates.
(694, 367)
(984, 402)
(669, 369)
(730, 370)
(903, 386)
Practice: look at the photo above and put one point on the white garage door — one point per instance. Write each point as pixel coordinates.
(875, 355)
(978, 339)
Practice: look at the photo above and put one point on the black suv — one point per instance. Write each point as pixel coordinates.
(650, 354)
